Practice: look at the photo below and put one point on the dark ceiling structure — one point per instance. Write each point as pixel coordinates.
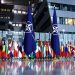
(10, 15)
(19, 2)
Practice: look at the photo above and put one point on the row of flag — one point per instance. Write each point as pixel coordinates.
(12, 48)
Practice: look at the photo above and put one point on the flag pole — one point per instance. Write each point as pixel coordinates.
(49, 36)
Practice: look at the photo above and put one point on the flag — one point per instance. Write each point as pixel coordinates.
(6, 48)
(47, 49)
(61, 49)
(15, 45)
(29, 39)
(44, 49)
(51, 52)
(38, 49)
(44, 45)
(10, 52)
(65, 50)
(55, 37)
(0, 47)
(3, 51)
(20, 50)
(23, 53)
(70, 48)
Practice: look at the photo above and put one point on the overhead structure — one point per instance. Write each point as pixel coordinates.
(13, 15)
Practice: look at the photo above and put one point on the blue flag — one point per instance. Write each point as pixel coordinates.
(29, 39)
(55, 37)
(66, 48)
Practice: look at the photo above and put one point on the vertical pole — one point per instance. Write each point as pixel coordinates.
(39, 35)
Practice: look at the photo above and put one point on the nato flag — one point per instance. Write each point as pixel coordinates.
(55, 37)
(29, 39)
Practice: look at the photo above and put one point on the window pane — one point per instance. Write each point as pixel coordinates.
(0, 33)
(66, 21)
(73, 21)
(36, 35)
(47, 36)
(70, 22)
(4, 33)
(61, 20)
(42, 36)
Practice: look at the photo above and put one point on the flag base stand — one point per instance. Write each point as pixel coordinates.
(30, 58)
(55, 58)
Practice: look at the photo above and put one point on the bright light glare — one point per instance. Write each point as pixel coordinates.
(19, 12)
(20, 25)
(14, 11)
(23, 12)
(16, 24)
(2, 1)
(13, 24)
(10, 22)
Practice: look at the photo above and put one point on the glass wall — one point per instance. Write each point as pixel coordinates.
(43, 36)
(64, 37)
(67, 37)
(64, 7)
(0, 33)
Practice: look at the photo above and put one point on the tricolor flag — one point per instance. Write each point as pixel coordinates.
(44, 49)
(38, 49)
(47, 49)
(29, 39)
(70, 48)
(16, 49)
(0, 47)
(55, 37)
(62, 49)
(51, 52)
(66, 50)
(10, 51)
(6, 48)
(3, 51)
(20, 50)
(23, 53)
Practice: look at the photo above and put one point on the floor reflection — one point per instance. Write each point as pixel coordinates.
(35, 67)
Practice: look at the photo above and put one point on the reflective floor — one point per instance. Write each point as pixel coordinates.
(37, 67)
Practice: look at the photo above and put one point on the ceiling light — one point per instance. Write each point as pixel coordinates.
(23, 12)
(17, 25)
(10, 22)
(2, 1)
(14, 11)
(20, 25)
(19, 12)
(13, 24)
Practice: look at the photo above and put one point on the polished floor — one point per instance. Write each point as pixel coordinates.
(37, 67)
